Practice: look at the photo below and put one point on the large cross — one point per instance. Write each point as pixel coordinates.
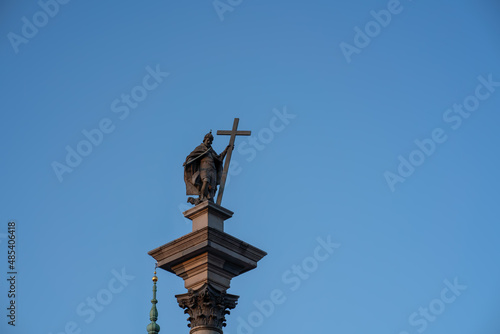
(233, 133)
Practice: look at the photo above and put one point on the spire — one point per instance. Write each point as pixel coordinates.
(153, 327)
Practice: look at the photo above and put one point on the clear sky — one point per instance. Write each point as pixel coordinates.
(371, 178)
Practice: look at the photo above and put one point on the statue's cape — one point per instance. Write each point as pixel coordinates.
(192, 169)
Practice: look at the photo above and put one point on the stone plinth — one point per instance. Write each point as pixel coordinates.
(208, 214)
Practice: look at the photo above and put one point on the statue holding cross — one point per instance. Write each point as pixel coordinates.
(203, 170)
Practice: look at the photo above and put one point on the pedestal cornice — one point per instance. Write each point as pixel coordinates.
(207, 256)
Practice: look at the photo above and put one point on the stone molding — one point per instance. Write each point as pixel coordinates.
(239, 253)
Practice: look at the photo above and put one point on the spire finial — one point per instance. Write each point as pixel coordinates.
(153, 327)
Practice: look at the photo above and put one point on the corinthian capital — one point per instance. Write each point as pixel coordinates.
(207, 307)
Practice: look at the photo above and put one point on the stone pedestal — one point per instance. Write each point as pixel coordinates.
(208, 214)
(207, 259)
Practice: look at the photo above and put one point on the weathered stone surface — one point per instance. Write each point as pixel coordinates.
(207, 259)
(207, 308)
(207, 256)
(208, 214)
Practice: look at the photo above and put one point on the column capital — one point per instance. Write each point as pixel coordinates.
(207, 308)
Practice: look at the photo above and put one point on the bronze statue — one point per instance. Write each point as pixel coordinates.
(203, 171)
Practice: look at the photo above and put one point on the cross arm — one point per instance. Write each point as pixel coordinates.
(229, 133)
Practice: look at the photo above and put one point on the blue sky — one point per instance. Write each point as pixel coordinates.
(370, 179)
